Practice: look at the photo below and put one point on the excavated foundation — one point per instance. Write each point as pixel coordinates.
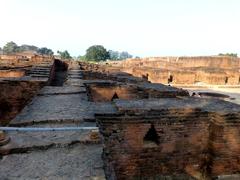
(110, 92)
(60, 73)
(14, 95)
(143, 130)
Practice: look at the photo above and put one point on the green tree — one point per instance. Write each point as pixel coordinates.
(97, 53)
(64, 55)
(10, 48)
(81, 58)
(26, 47)
(45, 51)
(125, 55)
(229, 54)
(114, 55)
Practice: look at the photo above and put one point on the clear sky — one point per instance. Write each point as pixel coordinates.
(141, 27)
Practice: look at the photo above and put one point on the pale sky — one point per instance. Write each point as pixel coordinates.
(141, 27)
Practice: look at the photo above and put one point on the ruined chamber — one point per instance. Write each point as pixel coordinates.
(171, 138)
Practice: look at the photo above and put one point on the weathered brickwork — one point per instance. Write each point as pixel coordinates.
(191, 142)
(215, 70)
(147, 130)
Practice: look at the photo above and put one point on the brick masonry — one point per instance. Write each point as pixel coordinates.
(192, 143)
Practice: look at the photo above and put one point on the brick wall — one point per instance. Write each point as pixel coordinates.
(191, 144)
(185, 70)
(14, 95)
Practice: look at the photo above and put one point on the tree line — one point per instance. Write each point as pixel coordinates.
(13, 48)
(100, 53)
(93, 53)
(229, 54)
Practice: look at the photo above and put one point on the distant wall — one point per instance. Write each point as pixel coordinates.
(181, 62)
(21, 61)
(185, 70)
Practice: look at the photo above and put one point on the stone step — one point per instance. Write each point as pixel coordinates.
(75, 77)
(39, 75)
(28, 139)
(75, 73)
(39, 72)
(74, 82)
(53, 90)
(44, 73)
(42, 67)
(75, 70)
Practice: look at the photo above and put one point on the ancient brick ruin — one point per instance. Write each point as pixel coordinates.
(186, 138)
(218, 70)
(134, 129)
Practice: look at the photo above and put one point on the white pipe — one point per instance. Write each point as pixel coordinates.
(24, 129)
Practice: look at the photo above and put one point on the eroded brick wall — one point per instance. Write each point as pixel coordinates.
(106, 92)
(11, 73)
(191, 145)
(222, 62)
(185, 70)
(110, 92)
(22, 60)
(13, 97)
(225, 145)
